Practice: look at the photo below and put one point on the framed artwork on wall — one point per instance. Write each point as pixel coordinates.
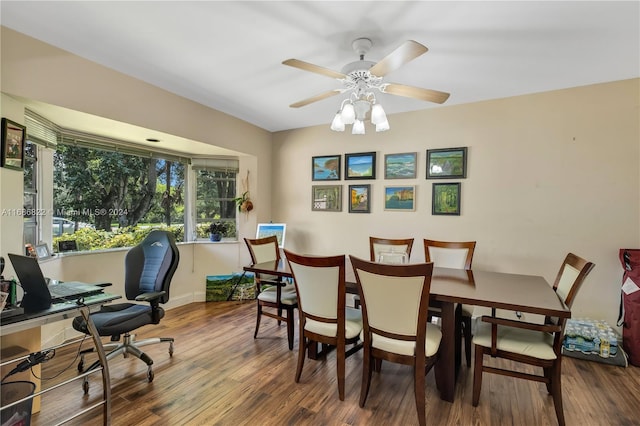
(359, 198)
(13, 136)
(326, 198)
(401, 198)
(448, 163)
(360, 166)
(325, 167)
(445, 199)
(400, 166)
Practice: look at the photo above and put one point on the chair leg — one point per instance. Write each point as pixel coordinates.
(419, 383)
(302, 349)
(340, 361)
(466, 331)
(366, 374)
(290, 327)
(556, 392)
(255, 333)
(477, 376)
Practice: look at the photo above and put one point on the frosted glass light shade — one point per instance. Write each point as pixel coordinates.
(382, 127)
(377, 114)
(358, 128)
(348, 114)
(337, 125)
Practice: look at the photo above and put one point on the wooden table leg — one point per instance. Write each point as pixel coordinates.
(445, 368)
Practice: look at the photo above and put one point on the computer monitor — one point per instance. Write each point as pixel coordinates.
(269, 229)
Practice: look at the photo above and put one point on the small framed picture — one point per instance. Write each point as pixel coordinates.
(360, 166)
(402, 198)
(42, 251)
(446, 199)
(326, 198)
(448, 163)
(400, 166)
(325, 167)
(13, 136)
(359, 198)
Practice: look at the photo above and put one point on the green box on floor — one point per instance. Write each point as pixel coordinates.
(235, 286)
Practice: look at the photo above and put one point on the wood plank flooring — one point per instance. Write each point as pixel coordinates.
(220, 375)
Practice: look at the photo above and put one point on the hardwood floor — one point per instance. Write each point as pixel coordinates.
(220, 375)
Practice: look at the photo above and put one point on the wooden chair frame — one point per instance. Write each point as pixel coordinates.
(421, 364)
(279, 284)
(464, 322)
(307, 338)
(552, 371)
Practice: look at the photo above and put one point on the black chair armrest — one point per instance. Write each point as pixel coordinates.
(150, 297)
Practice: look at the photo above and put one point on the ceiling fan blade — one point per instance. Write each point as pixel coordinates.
(316, 98)
(416, 92)
(407, 51)
(306, 66)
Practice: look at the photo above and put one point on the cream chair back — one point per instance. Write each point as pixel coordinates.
(449, 254)
(317, 289)
(391, 251)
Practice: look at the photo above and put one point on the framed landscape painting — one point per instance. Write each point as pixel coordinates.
(402, 198)
(359, 198)
(446, 199)
(448, 163)
(326, 198)
(400, 166)
(325, 167)
(360, 166)
(13, 137)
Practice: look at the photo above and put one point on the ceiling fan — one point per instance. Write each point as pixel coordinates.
(361, 77)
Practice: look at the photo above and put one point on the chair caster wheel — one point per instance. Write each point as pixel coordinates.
(85, 386)
(150, 375)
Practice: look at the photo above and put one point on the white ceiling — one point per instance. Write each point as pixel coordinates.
(228, 55)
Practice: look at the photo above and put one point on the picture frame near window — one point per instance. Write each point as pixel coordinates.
(360, 165)
(326, 167)
(326, 198)
(13, 137)
(445, 199)
(359, 198)
(400, 198)
(447, 163)
(400, 166)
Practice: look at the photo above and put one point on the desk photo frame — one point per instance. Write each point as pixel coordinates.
(268, 229)
(42, 251)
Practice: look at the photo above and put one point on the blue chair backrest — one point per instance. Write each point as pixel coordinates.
(150, 265)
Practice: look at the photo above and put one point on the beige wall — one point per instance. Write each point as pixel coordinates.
(547, 174)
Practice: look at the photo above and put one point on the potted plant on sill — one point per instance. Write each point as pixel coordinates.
(217, 230)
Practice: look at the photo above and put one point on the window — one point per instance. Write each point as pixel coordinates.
(215, 200)
(102, 193)
(30, 195)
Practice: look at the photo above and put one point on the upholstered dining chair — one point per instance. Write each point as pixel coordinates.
(387, 250)
(323, 314)
(455, 255)
(395, 303)
(271, 291)
(538, 345)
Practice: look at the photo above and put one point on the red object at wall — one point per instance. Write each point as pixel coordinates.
(630, 304)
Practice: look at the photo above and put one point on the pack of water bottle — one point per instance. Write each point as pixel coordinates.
(590, 337)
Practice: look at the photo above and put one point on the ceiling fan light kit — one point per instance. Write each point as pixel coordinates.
(360, 78)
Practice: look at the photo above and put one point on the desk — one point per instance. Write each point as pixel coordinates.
(57, 312)
(524, 293)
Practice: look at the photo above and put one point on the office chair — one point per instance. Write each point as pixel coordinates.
(538, 345)
(389, 251)
(149, 267)
(324, 316)
(271, 291)
(395, 304)
(456, 255)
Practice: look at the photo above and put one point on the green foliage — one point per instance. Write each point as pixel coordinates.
(89, 239)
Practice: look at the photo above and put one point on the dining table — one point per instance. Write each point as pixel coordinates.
(449, 289)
